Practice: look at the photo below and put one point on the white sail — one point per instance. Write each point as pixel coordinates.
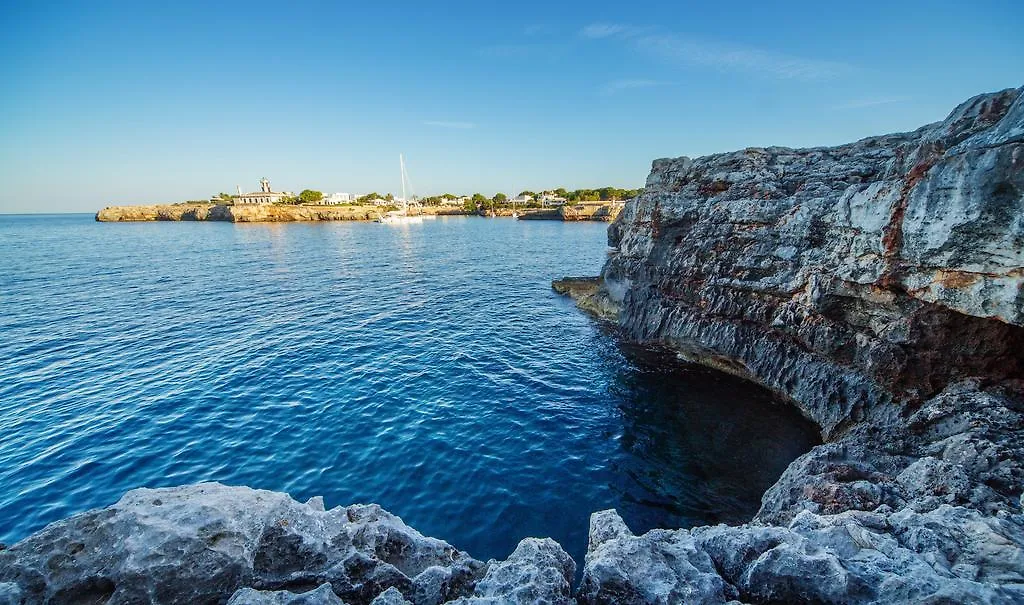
(403, 216)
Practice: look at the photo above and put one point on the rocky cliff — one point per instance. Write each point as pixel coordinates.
(879, 286)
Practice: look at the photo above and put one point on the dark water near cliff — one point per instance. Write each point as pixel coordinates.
(428, 368)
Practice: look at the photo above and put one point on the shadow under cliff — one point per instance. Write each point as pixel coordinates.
(697, 446)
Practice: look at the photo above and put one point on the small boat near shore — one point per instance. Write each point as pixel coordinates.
(402, 216)
(396, 217)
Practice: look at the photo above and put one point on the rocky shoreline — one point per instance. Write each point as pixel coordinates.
(878, 286)
(569, 213)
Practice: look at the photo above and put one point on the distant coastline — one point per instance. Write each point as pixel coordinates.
(284, 213)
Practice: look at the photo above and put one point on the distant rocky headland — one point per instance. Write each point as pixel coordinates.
(249, 213)
(267, 206)
(284, 213)
(878, 286)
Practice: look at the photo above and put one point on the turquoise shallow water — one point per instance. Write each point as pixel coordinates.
(429, 368)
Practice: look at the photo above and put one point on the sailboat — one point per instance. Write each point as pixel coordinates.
(402, 215)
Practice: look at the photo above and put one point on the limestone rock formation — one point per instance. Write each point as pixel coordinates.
(842, 277)
(209, 543)
(879, 286)
(202, 543)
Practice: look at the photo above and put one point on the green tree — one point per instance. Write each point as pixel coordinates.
(499, 198)
(308, 196)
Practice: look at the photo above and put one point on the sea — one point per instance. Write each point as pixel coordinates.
(426, 367)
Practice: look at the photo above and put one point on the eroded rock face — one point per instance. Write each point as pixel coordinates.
(843, 277)
(202, 543)
(880, 287)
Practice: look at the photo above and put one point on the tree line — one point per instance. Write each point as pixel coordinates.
(477, 201)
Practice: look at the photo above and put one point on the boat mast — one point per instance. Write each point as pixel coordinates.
(401, 163)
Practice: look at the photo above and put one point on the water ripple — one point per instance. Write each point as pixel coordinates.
(428, 368)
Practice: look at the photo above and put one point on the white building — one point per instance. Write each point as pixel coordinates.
(548, 199)
(338, 198)
(263, 196)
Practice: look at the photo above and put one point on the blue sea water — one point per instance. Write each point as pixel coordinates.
(428, 368)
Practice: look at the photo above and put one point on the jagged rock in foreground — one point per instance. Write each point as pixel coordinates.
(207, 542)
(538, 571)
(879, 286)
(321, 595)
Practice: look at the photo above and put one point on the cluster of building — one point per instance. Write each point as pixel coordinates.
(548, 200)
(267, 196)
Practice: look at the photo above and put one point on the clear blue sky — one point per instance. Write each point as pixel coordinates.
(131, 102)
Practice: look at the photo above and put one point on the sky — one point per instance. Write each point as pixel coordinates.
(122, 103)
